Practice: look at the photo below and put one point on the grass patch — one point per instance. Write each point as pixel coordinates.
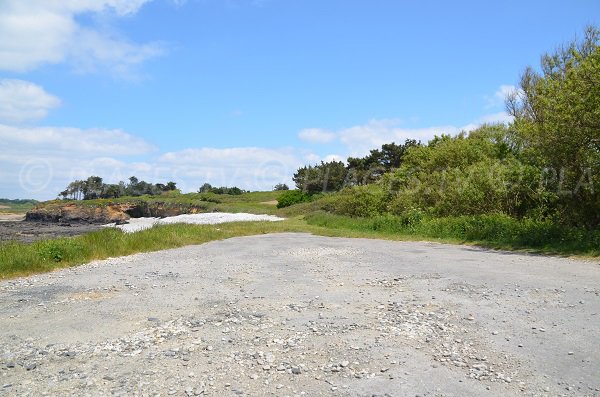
(493, 231)
(251, 202)
(18, 259)
(16, 206)
(21, 259)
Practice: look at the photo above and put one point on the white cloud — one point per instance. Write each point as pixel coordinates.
(40, 161)
(252, 168)
(311, 158)
(24, 101)
(178, 3)
(500, 95)
(334, 157)
(71, 142)
(316, 135)
(500, 117)
(94, 50)
(238, 156)
(34, 33)
(362, 138)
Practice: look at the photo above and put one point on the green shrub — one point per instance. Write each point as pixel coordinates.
(210, 198)
(360, 201)
(58, 250)
(291, 197)
(321, 178)
(489, 186)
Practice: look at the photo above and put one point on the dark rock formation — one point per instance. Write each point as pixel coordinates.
(82, 212)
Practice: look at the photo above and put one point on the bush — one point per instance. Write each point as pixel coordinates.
(58, 250)
(321, 178)
(489, 186)
(357, 202)
(208, 188)
(210, 199)
(291, 197)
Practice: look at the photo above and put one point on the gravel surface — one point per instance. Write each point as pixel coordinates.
(295, 314)
(137, 224)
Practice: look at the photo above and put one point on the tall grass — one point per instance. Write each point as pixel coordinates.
(21, 259)
(497, 231)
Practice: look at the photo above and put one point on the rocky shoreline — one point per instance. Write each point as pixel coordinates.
(66, 219)
(29, 231)
(43, 224)
(82, 212)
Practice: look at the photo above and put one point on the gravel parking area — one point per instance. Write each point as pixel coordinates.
(294, 314)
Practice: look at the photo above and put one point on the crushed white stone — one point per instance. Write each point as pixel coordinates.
(137, 224)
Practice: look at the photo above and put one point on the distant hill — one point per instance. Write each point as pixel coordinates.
(18, 201)
(17, 206)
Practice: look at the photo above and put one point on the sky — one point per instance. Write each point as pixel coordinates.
(243, 92)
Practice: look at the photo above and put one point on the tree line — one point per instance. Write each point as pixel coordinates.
(332, 176)
(93, 188)
(544, 165)
(233, 191)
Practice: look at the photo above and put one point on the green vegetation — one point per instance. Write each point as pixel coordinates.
(16, 206)
(479, 173)
(369, 169)
(21, 259)
(94, 188)
(253, 202)
(493, 231)
(321, 178)
(557, 117)
(334, 175)
(531, 185)
(208, 188)
(543, 168)
(292, 197)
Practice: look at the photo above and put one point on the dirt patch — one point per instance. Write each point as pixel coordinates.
(4, 207)
(271, 202)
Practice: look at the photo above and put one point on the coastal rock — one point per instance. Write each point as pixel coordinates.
(103, 213)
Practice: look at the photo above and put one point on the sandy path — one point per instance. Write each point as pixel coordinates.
(295, 314)
(8, 217)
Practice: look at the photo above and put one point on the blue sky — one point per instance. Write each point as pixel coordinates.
(242, 92)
